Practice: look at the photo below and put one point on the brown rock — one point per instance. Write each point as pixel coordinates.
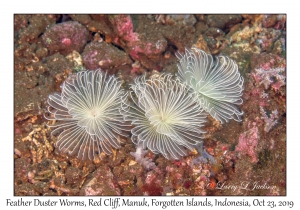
(105, 56)
(74, 176)
(102, 182)
(222, 21)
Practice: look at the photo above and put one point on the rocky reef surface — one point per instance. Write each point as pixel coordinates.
(49, 48)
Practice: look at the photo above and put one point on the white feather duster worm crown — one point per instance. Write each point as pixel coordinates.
(87, 111)
(217, 82)
(167, 119)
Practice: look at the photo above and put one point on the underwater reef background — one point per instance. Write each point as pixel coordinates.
(50, 48)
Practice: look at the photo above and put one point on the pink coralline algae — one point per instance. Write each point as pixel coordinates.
(270, 77)
(65, 37)
(256, 96)
(136, 42)
(269, 121)
(153, 183)
(248, 142)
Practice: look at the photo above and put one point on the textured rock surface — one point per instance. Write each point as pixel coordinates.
(65, 37)
(101, 183)
(105, 56)
(131, 45)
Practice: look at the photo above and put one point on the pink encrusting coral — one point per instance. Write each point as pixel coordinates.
(248, 142)
(65, 37)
